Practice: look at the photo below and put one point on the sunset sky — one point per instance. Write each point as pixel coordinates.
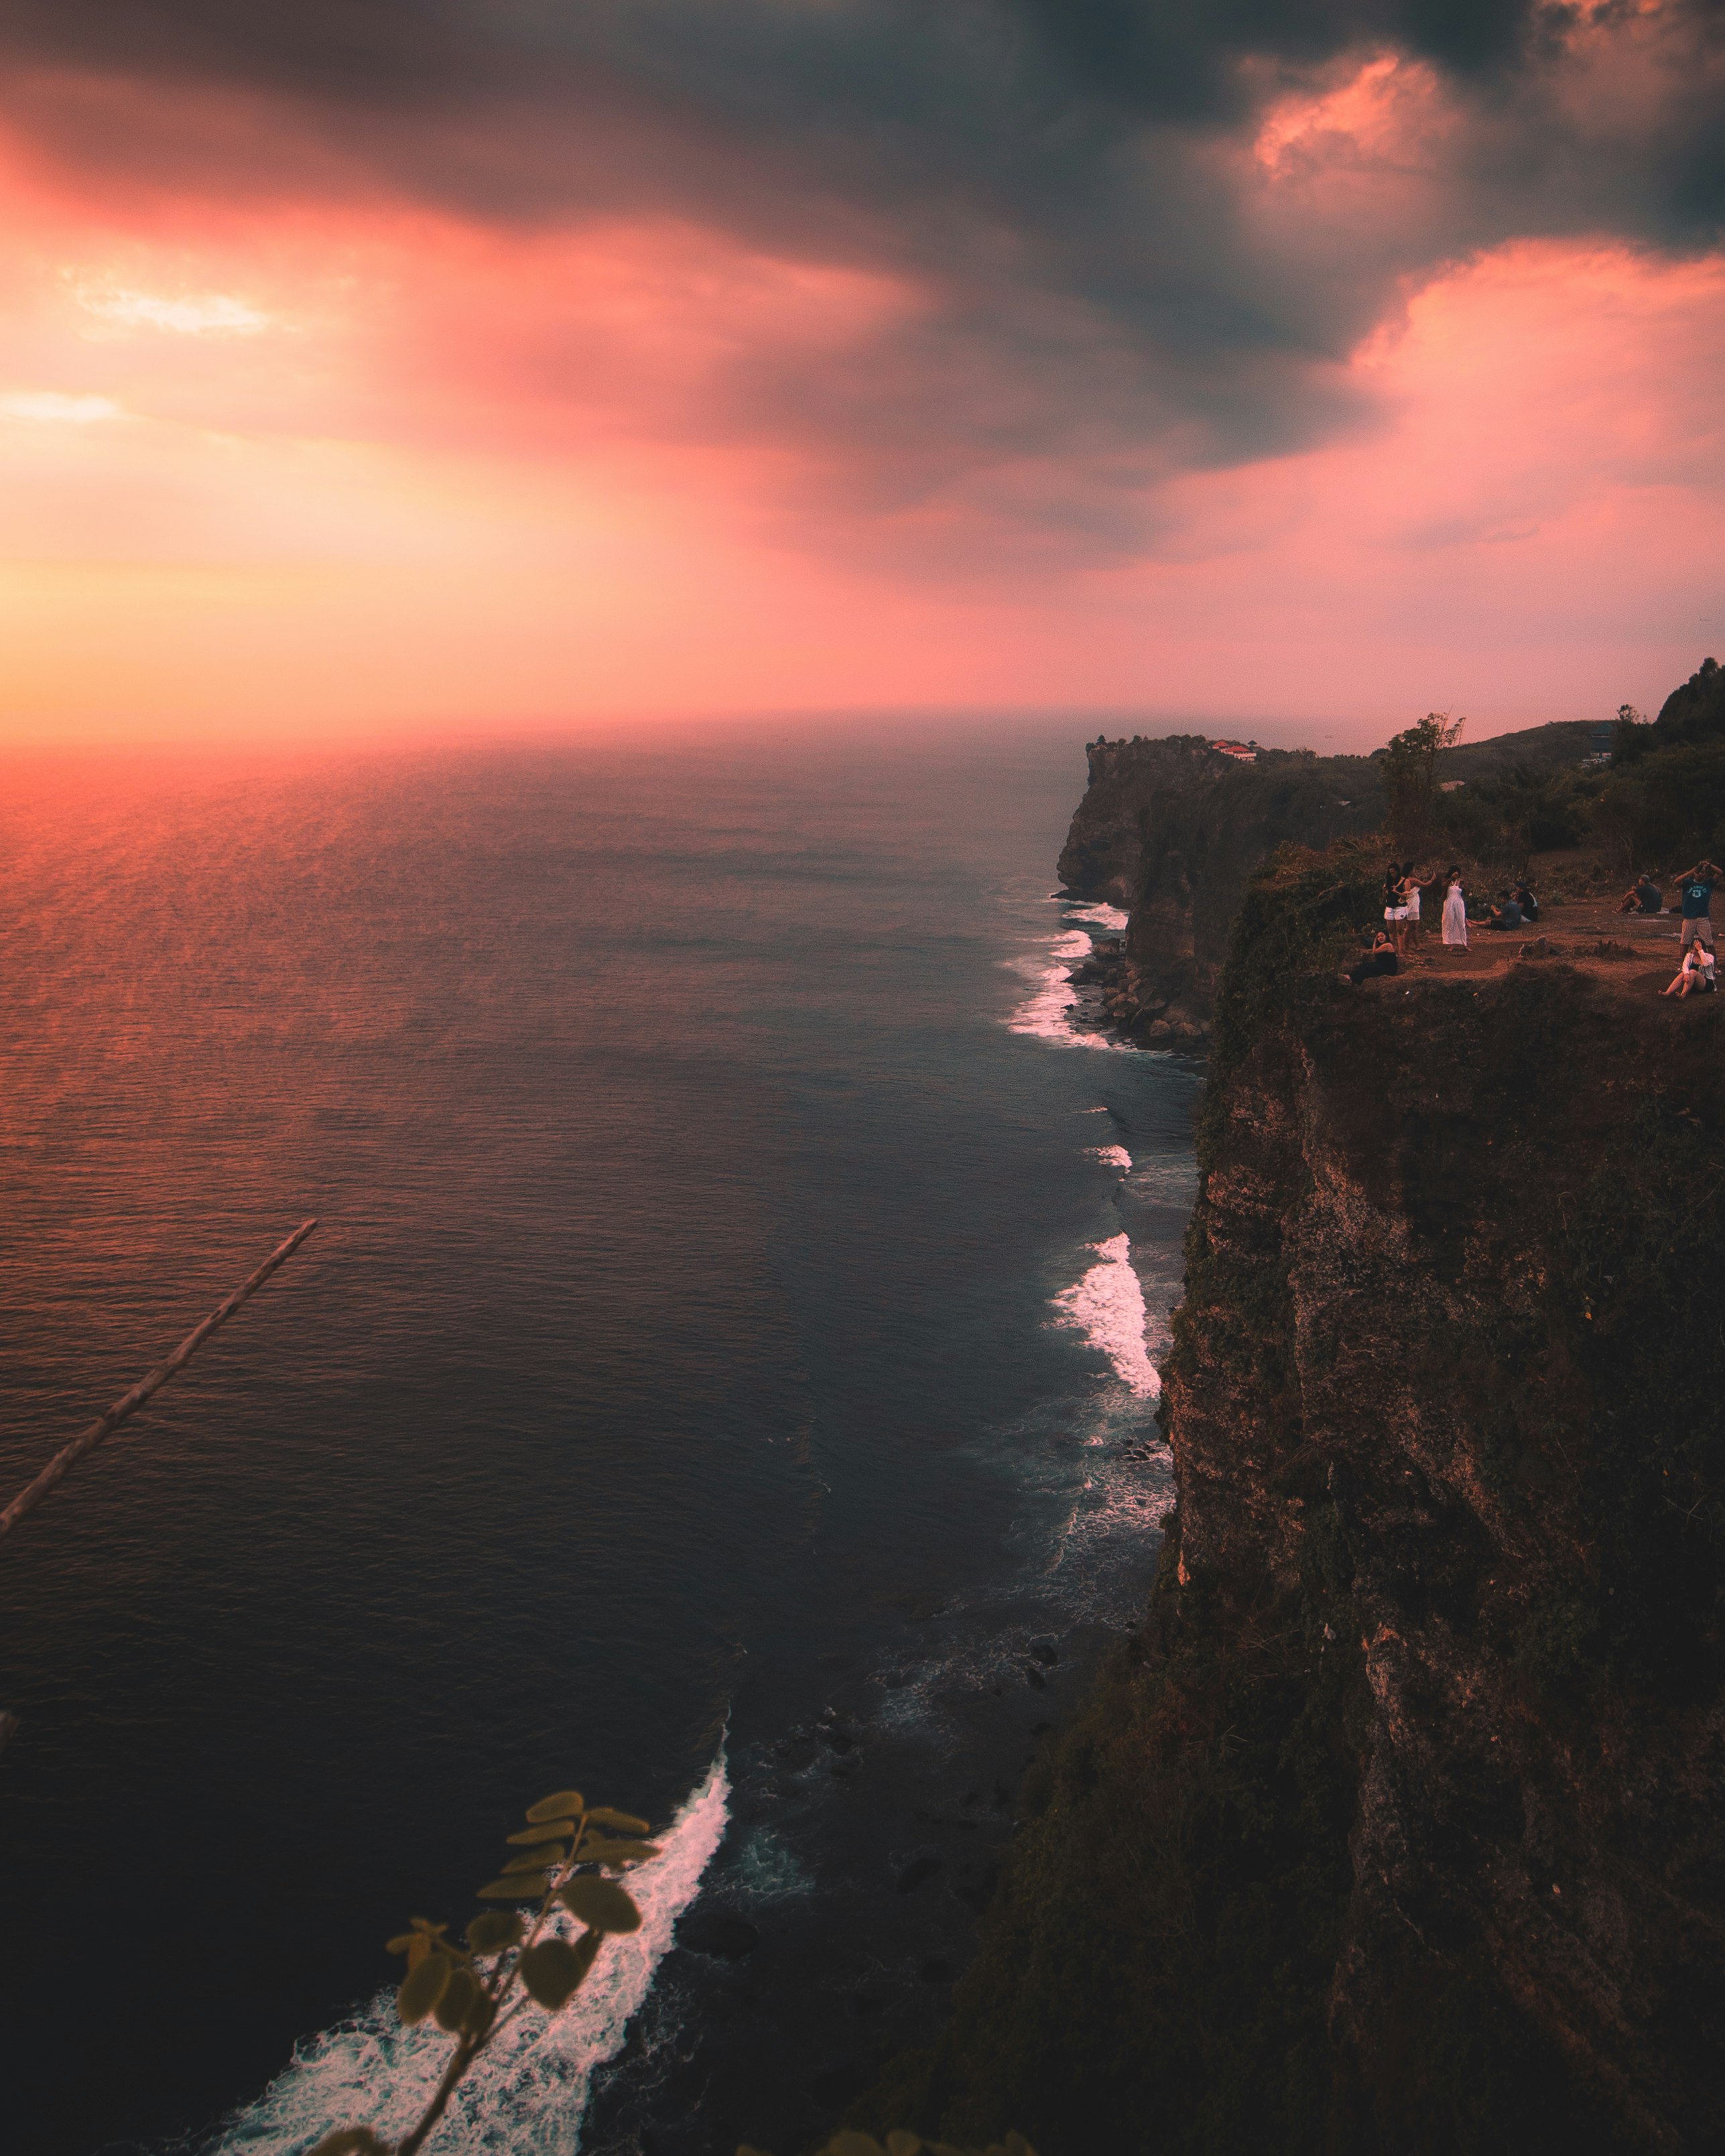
(370, 367)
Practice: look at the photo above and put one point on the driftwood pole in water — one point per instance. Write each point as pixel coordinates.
(87, 1441)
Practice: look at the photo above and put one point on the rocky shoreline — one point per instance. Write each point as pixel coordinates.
(1397, 1830)
(1173, 829)
(1130, 1009)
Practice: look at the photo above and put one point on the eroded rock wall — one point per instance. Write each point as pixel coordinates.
(1443, 1245)
(1173, 830)
(1402, 1827)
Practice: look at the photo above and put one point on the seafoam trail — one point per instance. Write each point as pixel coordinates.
(1046, 1013)
(1108, 1307)
(529, 2090)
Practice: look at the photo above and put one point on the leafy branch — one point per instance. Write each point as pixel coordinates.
(475, 1990)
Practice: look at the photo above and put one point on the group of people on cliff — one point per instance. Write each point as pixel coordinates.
(1516, 908)
(1404, 888)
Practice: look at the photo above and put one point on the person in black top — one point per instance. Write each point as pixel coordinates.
(1527, 901)
(1381, 958)
(1395, 902)
(1643, 897)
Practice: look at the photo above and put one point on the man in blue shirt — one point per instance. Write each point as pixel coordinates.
(1506, 913)
(1697, 893)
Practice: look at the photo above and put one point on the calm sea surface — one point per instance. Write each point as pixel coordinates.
(720, 1380)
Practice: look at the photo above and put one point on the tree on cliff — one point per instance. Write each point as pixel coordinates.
(1410, 780)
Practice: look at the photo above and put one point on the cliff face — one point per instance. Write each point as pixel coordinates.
(1103, 857)
(1173, 830)
(1403, 1826)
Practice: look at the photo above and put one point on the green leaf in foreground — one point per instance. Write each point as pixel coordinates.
(552, 1970)
(565, 1805)
(493, 1930)
(524, 1887)
(456, 2002)
(600, 1903)
(421, 1988)
(536, 1860)
(617, 1822)
(542, 1832)
(618, 1852)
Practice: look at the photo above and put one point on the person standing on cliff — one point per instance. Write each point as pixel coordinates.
(1395, 903)
(1455, 912)
(1416, 887)
(1697, 892)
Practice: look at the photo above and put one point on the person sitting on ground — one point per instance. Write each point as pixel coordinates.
(1527, 901)
(1381, 958)
(1695, 974)
(1650, 898)
(1506, 913)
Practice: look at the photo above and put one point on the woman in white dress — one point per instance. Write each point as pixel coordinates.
(1454, 913)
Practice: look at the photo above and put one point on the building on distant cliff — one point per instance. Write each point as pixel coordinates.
(1241, 752)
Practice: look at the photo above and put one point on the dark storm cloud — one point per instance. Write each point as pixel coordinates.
(1064, 180)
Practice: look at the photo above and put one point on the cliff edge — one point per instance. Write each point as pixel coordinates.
(1173, 829)
(1401, 1827)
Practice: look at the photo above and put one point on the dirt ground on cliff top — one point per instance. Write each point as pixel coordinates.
(1577, 914)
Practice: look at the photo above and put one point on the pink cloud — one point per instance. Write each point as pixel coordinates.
(291, 465)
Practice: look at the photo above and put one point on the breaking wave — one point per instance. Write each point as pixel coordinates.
(528, 2091)
(1108, 1307)
(1048, 1011)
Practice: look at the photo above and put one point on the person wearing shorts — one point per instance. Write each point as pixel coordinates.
(1395, 903)
(1697, 893)
(1694, 976)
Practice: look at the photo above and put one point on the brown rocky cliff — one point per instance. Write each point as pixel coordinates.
(1173, 830)
(1402, 1828)
(1441, 1194)
(1103, 857)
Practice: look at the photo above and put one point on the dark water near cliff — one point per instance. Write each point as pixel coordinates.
(718, 1380)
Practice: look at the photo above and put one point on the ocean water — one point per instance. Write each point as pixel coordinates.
(723, 1378)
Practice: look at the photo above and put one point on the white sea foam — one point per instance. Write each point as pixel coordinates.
(528, 2091)
(1110, 917)
(766, 1870)
(1047, 1011)
(1108, 1307)
(1110, 1156)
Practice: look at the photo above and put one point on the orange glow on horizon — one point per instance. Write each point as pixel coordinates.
(280, 470)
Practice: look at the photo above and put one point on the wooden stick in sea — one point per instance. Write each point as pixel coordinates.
(87, 1441)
